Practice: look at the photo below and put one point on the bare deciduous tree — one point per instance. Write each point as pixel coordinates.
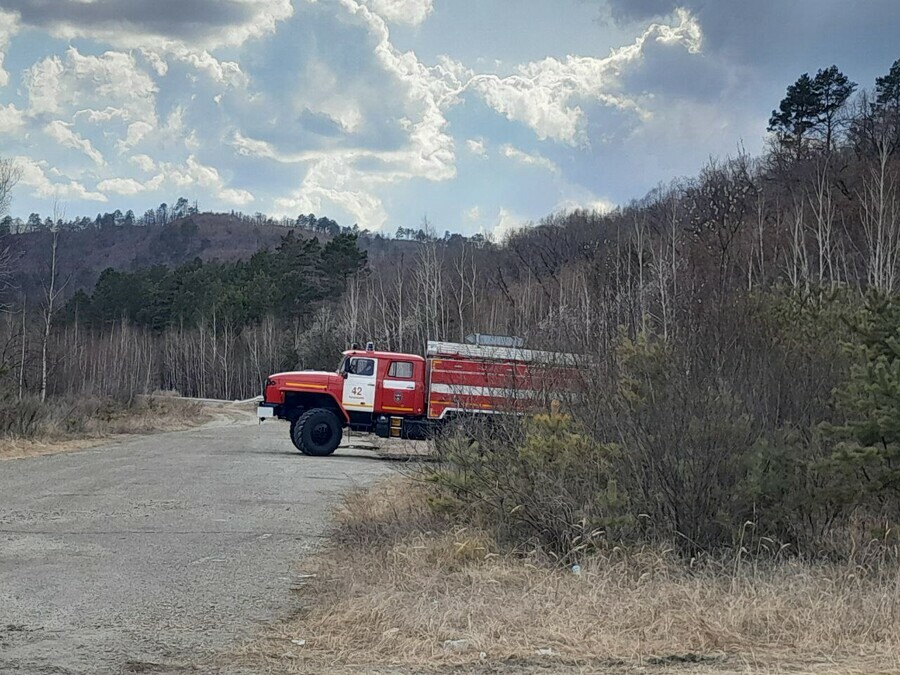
(53, 290)
(880, 220)
(9, 176)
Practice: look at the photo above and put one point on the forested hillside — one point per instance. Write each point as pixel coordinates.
(741, 325)
(91, 246)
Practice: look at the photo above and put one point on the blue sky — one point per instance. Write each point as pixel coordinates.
(480, 114)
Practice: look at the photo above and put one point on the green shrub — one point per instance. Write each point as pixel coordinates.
(867, 452)
(539, 482)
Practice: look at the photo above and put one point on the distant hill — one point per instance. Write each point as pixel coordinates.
(85, 253)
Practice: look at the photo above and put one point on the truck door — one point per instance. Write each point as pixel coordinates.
(399, 389)
(359, 387)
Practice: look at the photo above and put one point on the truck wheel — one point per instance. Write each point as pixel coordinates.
(294, 438)
(317, 432)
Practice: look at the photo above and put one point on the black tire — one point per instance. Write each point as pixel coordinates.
(293, 438)
(317, 432)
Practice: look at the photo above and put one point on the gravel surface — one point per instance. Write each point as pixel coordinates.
(160, 553)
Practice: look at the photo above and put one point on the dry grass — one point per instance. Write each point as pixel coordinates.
(64, 425)
(397, 583)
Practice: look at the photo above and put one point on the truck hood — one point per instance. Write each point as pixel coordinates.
(304, 374)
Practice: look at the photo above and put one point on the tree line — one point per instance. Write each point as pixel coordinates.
(160, 216)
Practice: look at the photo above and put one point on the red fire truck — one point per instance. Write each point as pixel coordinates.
(406, 396)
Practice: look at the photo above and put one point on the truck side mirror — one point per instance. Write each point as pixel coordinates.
(344, 374)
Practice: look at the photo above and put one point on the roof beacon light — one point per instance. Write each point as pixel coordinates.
(370, 346)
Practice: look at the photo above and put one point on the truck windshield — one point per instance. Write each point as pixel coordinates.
(342, 365)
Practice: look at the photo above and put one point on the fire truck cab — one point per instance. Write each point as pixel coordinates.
(397, 395)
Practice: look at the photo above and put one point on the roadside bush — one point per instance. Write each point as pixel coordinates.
(701, 447)
(21, 418)
(685, 437)
(540, 482)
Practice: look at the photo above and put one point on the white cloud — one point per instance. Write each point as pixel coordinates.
(187, 34)
(476, 147)
(157, 62)
(12, 119)
(529, 159)
(9, 26)
(228, 73)
(137, 131)
(506, 224)
(544, 94)
(410, 12)
(33, 176)
(591, 203)
(62, 133)
(194, 173)
(380, 121)
(112, 80)
(145, 162)
(236, 197)
(121, 186)
(334, 179)
(101, 116)
(331, 183)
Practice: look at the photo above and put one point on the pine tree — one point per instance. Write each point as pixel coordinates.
(887, 88)
(870, 437)
(796, 115)
(832, 89)
(810, 109)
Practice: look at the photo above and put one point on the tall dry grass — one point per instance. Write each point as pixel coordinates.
(29, 426)
(402, 588)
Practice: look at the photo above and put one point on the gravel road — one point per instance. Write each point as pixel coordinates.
(158, 553)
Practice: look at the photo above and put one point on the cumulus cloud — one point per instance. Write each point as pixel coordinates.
(9, 26)
(430, 91)
(189, 174)
(410, 12)
(591, 203)
(506, 224)
(236, 196)
(33, 175)
(105, 86)
(544, 94)
(63, 134)
(343, 178)
(331, 183)
(137, 131)
(476, 147)
(12, 119)
(192, 173)
(529, 159)
(145, 162)
(121, 186)
(224, 72)
(162, 29)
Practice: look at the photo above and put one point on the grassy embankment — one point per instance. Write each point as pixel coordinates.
(400, 589)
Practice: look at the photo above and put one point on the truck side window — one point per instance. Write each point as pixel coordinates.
(402, 370)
